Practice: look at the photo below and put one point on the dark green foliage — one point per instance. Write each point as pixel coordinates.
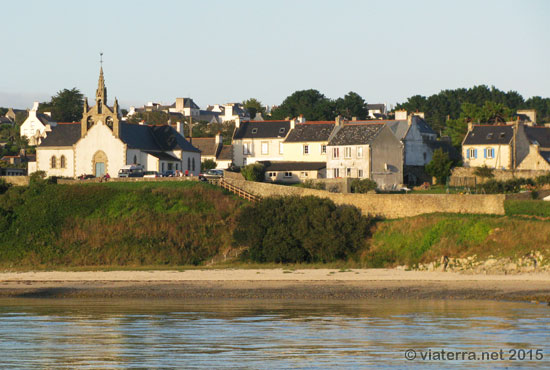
(310, 184)
(543, 180)
(254, 106)
(208, 164)
(114, 224)
(300, 229)
(152, 118)
(66, 106)
(501, 187)
(352, 105)
(363, 185)
(254, 172)
(4, 186)
(440, 166)
(484, 172)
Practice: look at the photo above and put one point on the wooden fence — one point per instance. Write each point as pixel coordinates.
(238, 191)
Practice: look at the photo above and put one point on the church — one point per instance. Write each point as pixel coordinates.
(102, 143)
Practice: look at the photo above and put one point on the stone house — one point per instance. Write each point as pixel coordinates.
(538, 157)
(255, 141)
(36, 126)
(213, 148)
(101, 143)
(294, 172)
(366, 150)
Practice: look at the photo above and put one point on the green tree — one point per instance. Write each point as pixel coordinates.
(352, 105)
(311, 103)
(254, 106)
(440, 166)
(254, 172)
(208, 164)
(155, 117)
(66, 106)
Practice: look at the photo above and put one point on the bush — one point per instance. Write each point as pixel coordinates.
(254, 172)
(363, 186)
(484, 172)
(300, 229)
(310, 184)
(440, 166)
(501, 187)
(208, 164)
(543, 180)
(4, 186)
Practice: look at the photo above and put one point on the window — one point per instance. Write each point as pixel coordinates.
(193, 162)
(265, 147)
(272, 174)
(336, 173)
(471, 153)
(347, 152)
(323, 149)
(135, 159)
(348, 172)
(359, 173)
(254, 130)
(288, 174)
(246, 148)
(425, 155)
(62, 161)
(281, 147)
(177, 166)
(188, 163)
(282, 130)
(335, 153)
(359, 152)
(303, 174)
(169, 166)
(489, 153)
(53, 162)
(162, 167)
(306, 149)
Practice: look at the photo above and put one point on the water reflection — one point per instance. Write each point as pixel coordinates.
(261, 334)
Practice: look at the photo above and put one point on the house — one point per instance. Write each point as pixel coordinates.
(377, 111)
(234, 112)
(185, 106)
(6, 121)
(101, 143)
(259, 141)
(495, 146)
(294, 172)
(14, 160)
(538, 157)
(213, 148)
(8, 171)
(366, 150)
(36, 126)
(11, 114)
(308, 141)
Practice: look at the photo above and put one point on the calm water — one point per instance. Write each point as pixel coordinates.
(58, 334)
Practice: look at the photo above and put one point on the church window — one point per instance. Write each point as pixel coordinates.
(188, 163)
(62, 161)
(54, 161)
(135, 159)
(99, 107)
(109, 122)
(90, 122)
(193, 164)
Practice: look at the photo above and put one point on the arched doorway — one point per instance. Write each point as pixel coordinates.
(99, 163)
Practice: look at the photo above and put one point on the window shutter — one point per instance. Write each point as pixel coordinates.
(484, 153)
(475, 153)
(467, 153)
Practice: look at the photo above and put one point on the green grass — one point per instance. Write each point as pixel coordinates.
(537, 208)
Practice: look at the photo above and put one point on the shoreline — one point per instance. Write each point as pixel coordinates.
(275, 284)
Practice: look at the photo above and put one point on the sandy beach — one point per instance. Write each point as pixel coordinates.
(275, 283)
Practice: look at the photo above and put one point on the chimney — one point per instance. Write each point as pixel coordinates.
(470, 126)
(354, 118)
(301, 119)
(142, 122)
(237, 122)
(292, 123)
(400, 115)
(35, 106)
(49, 114)
(410, 120)
(180, 128)
(219, 138)
(338, 120)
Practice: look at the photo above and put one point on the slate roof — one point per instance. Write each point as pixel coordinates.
(380, 107)
(447, 148)
(207, 145)
(64, 134)
(423, 125)
(45, 119)
(262, 130)
(399, 128)
(545, 154)
(293, 166)
(306, 132)
(143, 137)
(356, 134)
(540, 135)
(226, 153)
(489, 135)
(5, 120)
(163, 156)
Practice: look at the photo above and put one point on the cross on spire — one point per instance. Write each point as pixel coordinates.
(101, 58)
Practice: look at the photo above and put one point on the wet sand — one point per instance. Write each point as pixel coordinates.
(275, 284)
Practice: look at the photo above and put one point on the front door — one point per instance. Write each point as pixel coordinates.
(99, 169)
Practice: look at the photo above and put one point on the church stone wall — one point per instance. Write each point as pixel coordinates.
(44, 161)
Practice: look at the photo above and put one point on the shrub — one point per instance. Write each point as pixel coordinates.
(254, 172)
(484, 172)
(363, 186)
(543, 180)
(208, 164)
(4, 186)
(510, 186)
(310, 184)
(300, 229)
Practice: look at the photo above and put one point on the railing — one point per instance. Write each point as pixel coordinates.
(237, 191)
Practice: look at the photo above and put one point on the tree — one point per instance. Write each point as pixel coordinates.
(155, 117)
(311, 103)
(66, 106)
(484, 172)
(352, 105)
(440, 166)
(208, 164)
(253, 106)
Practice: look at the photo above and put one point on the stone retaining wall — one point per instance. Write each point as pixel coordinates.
(127, 179)
(466, 175)
(16, 180)
(389, 205)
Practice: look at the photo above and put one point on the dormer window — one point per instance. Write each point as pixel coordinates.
(282, 130)
(490, 135)
(502, 135)
(254, 130)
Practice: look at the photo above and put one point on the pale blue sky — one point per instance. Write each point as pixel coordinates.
(222, 51)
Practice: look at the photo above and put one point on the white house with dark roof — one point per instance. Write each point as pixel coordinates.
(212, 148)
(308, 141)
(370, 150)
(259, 141)
(36, 126)
(101, 143)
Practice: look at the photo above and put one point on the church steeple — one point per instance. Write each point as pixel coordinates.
(101, 93)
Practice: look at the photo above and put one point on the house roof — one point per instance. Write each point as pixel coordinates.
(45, 119)
(399, 128)
(306, 132)
(4, 120)
(226, 153)
(262, 130)
(380, 107)
(538, 135)
(162, 156)
(188, 103)
(65, 134)
(207, 145)
(293, 166)
(423, 125)
(489, 134)
(356, 134)
(144, 137)
(545, 154)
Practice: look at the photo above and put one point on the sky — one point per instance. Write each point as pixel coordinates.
(228, 51)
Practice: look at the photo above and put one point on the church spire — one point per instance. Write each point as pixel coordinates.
(101, 93)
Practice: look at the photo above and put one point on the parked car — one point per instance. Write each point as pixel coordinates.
(151, 174)
(211, 174)
(131, 170)
(169, 173)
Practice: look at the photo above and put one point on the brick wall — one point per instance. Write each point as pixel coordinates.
(389, 205)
